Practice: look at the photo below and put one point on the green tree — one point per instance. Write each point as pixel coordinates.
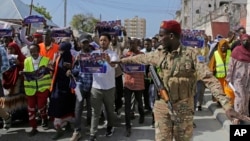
(42, 10)
(85, 23)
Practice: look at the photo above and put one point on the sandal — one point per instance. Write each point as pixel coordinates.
(7, 123)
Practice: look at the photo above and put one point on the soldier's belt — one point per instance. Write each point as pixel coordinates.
(178, 101)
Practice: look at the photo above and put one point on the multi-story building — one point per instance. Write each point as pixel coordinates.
(135, 27)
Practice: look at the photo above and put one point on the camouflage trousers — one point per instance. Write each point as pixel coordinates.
(166, 129)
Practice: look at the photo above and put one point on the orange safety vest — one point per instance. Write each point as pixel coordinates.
(48, 53)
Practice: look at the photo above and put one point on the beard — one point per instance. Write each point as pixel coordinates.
(167, 47)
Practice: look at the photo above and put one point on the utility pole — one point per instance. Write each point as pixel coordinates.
(29, 26)
(192, 14)
(31, 6)
(65, 13)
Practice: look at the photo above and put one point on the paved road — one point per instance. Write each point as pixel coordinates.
(208, 129)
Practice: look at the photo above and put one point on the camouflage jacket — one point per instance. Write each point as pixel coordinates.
(179, 69)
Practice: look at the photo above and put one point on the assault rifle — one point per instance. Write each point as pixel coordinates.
(162, 91)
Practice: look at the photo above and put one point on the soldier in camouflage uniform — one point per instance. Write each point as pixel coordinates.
(179, 65)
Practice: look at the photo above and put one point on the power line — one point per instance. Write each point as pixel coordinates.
(84, 8)
(115, 6)
(144, 4)
(57, 7)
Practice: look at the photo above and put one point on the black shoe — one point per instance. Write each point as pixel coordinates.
(118, 113)
(194, 125)
(45, 124)
(59, 133)
(7, 123)
(199, 108)
(68, 127)
(128, 132)
(153, 124)
(92, 138)
(101, 120)
(148, 110)
(33, 132)
(141, 120)
(132, 116)
(88, 121)
(110, 131)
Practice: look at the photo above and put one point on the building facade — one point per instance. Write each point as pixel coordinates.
(135, 27)
(205, 14)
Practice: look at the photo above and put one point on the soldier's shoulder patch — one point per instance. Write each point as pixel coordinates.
(201, 59)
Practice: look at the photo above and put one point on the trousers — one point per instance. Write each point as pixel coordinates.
(167, 129)
(39, 100)
(98, 98)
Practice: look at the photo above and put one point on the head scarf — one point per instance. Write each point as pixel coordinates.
(10, 77)
(221, 43)
(241, 53)
(66, 55)
(212, 64)
(18, 52)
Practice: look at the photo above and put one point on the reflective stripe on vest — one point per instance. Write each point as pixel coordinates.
(31, 87)
(221, 68)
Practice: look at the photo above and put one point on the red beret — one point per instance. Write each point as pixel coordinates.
(171, 26)
(37, 35)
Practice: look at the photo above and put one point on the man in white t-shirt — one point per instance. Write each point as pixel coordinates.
(103, 89)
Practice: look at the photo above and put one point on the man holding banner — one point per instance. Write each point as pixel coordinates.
(82, 90)
(103, 88)
(37, 89)
(133, 84)
(37, 37)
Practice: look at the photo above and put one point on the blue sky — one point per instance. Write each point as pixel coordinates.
(154, 11)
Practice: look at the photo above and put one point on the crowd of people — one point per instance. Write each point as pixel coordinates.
(220, 57)
(58, 95)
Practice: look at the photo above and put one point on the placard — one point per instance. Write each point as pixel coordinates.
(133, 68)
(61, 33)
(111, 27)
(93, 63)
(193, 38)
(36, 75)
(5, 32)
(33, 19)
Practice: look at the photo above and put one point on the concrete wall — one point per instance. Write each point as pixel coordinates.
(248, 18)
(206, 11)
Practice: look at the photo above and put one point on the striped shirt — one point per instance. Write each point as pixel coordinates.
(4, 61)
(86, 79)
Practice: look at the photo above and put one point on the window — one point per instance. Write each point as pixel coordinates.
(222, 3)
